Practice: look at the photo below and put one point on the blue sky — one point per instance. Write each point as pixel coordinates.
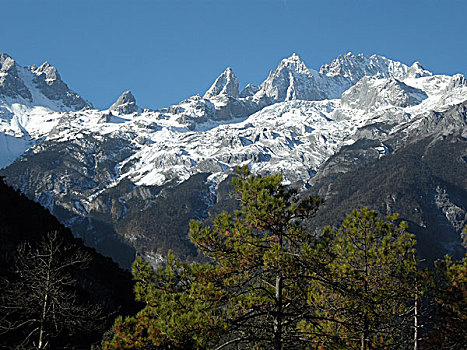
(166, 51)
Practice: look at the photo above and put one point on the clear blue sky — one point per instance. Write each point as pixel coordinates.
(166, 51)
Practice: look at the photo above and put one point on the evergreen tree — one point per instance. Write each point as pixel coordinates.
(449, 291)
(258, 254)
(181, 308)
(366, 295)
(272, 284)
(251, 294)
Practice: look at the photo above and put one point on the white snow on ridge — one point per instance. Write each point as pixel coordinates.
(292, 136)
(11, 148)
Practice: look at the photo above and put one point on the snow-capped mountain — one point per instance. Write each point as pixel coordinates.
(125, 104)
(99, 171)
(31, 101)
(226, 84)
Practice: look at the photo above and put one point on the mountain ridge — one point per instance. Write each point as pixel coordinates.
(96, 169)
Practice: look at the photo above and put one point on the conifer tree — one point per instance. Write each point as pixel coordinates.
(181, 308)
(449, 291)
(365, 297)
(258, 254)
(272, 284)
(252, 293)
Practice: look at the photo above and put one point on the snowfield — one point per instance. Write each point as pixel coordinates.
(291, 123)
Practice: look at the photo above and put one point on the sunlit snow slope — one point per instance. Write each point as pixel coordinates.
(291, 123)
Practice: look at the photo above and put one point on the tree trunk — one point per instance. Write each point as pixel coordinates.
(40, 343)
(364, 334)
(278, 315)
(415, 320)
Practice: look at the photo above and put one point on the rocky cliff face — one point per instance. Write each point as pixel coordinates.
(376, 93)
(35, 85)
(424, 181)
(10, 82)
(48, 81)
(125, 104)
(127, 178)
(226, 84)
(292, 80)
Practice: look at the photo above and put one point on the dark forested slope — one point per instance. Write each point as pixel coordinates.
(101, 283)
(425, 182)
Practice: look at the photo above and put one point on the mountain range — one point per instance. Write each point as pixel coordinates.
(127, 180)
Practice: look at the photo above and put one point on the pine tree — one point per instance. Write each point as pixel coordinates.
(449, 291)
(366, 295)
(272, 284)
(258, 254)
(180, 308)
(252, 292)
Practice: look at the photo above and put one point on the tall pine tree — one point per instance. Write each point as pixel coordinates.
(272, 284)
(259, 255)
(181, 308)
(252, 294)
(366, 295)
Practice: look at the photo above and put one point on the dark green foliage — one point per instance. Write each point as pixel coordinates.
(258, 253)
(251, 295)
(272, 284)
(181, 308)
(449, 292)
(366, 292)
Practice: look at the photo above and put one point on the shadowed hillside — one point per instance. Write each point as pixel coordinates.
(101, 283)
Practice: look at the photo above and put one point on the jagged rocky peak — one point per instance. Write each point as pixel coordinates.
(226, 84)
(14, 83)
(6, 62)
(249, 90)
(50, 72)
(291, 80)
(373, 93)
(125, 104)
(355, 67)
(457, 81)
(294, 64)
(48, 81)
(416, 70)
(11, 85)
(343, 65)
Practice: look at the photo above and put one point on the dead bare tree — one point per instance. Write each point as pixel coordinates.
(40, 303)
